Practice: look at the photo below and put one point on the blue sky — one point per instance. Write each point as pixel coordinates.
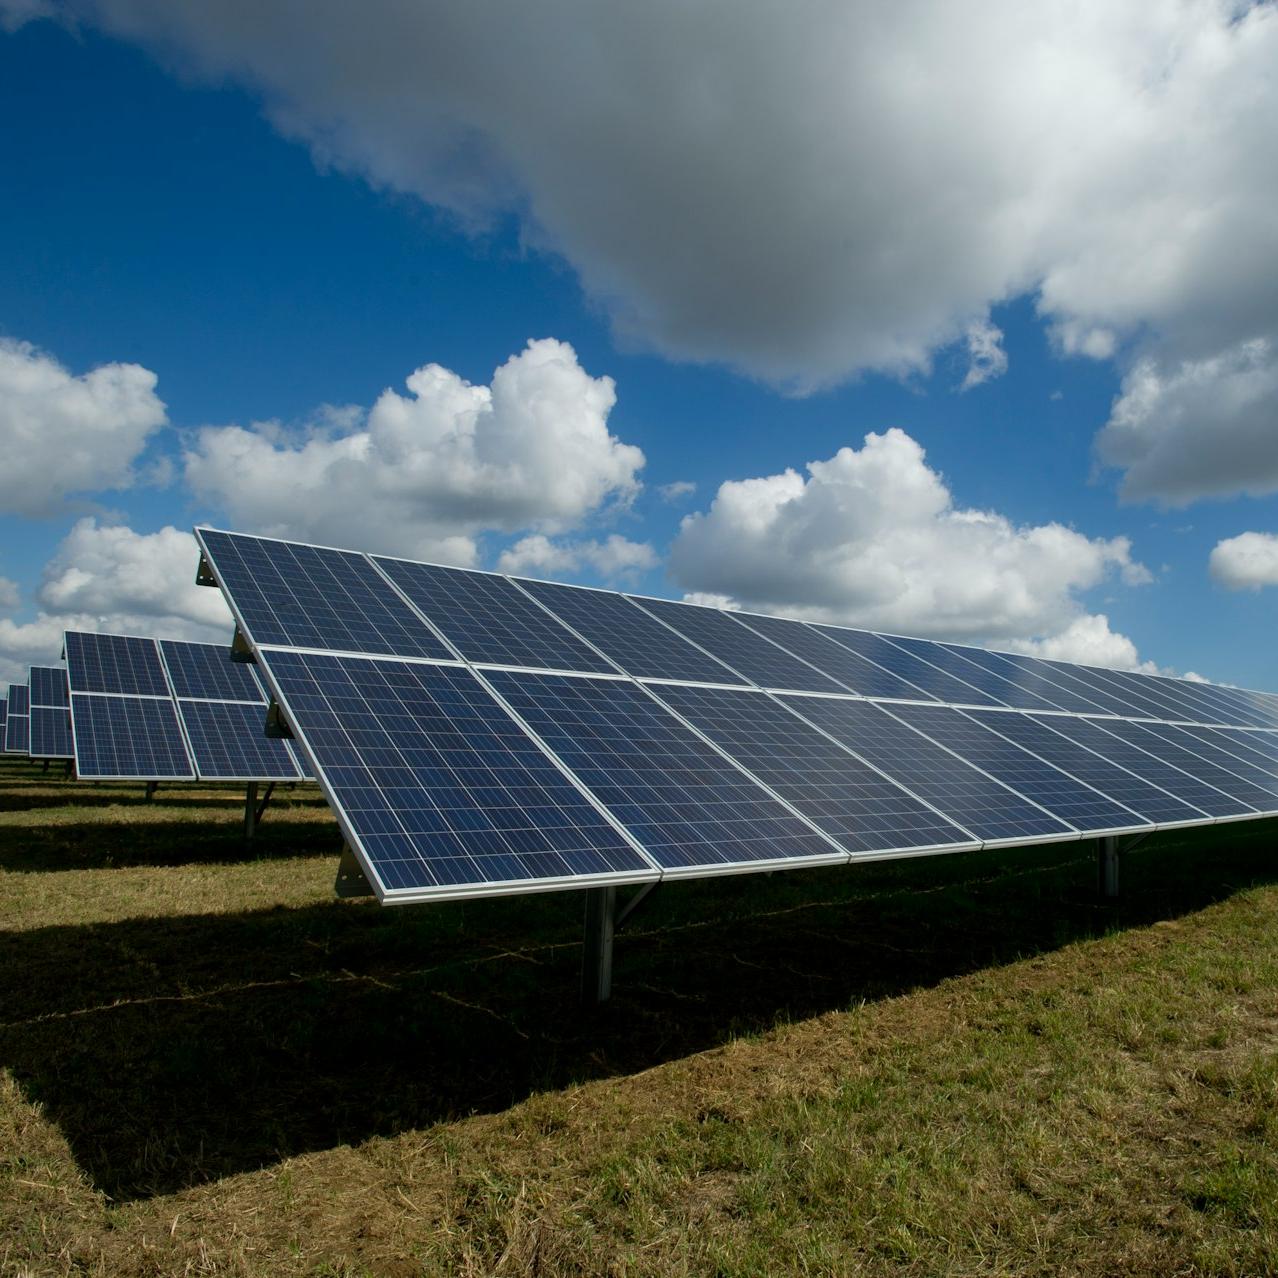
(278, 248)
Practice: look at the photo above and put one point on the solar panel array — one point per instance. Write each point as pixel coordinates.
(50, 714)
(481, 734)
(165, 710)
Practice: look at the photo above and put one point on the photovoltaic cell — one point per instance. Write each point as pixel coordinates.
(206, 671)
(309, 597)
(50, 732)
(1062, 795)
(1021, 677)
(968, 797)
(1200, 745)
(1264, 744)
(846, 798)
(1253, 796)
(490, 620)
(1091, 734)
(119, 737)
(640, 645)
(689, 807)
(1124, 787)
(229, 742)
(1073, 693)
(740, 647)
(441, 789)
(1000, 688)
(114, 663)
(853, 671)
(49, 686)
(906, 665)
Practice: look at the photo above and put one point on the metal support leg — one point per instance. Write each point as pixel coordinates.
(151, 787)
(1107, 866)
(596, 963)
(250, 812)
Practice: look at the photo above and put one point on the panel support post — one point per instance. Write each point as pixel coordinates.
(596, 959)
(1107, 866)
(151, 787)
(250, 812)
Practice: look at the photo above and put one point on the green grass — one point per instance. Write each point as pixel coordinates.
(964, 1065)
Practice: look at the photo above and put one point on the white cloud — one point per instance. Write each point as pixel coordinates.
(108, 577)
(873, 538)
(1089, 641)
(985, 354)
(61, 434)
(1246, 562)
(803, 194)
(10, 595)
(423, 474)
(1200, 428)
(615, 558)
(678, 490)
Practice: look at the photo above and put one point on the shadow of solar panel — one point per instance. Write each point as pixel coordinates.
(487, 619)
(439, 789)
(128, 738)
(850, 801)
(311, 597)
(690, 808)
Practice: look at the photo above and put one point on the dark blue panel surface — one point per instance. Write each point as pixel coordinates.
(19, 698)
(861, 808)
(128, 737)
(906, 665)
(1227, 706)
(1034, 678)
(1145, 692)
(1152, 740)
(968, 797)
(16, 733)
(1062, 795)
(850, 669)
(1125, 787)
(638, 644)
(50, 732)
(437, 782)
(686, 804)
(490, 620)
(308, 597)
(49, 686)
(1264, 744)
(206, 671)
(4, 717)
(740, 647)
(114, 663)
(998, 686)
(229, 742)
(1092, 734)
(1199, 743)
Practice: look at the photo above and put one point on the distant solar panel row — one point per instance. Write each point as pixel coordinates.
(50, 714)
(17, 732)
(461, 756)
(165, 710)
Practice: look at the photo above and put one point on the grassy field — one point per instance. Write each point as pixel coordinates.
(963, 1065)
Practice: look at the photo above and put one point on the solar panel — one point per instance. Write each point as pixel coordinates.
(1073, 693)
(853, 671)
(128, 738)
(437, 787)
(206, 672)
(311, 597)
(1163, 706)
(1091, 733)
(739, 647)
(690, 808)
(49, 686)
(488, 619)
(1146, 738)
(17, 720)
(936, 683)
(638, 643)
(50, 733)
(1022, 678)
(1221, 705)
(1146, 800)
(1264, 744)
(1008, 690)
(114, 663)
(1200, 745)
(967, 796)
(229, 743)
(4, 718)
(849, 800)
(1081, 806)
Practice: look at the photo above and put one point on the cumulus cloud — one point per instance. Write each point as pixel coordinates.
(1246, 562)
(677, 490)
(872, 537)
(62, 434)
(108, 577)
(1198, 428)
(615, 558)
(802, 192)
(986, 358)
(423, 474)
(1089, 641)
